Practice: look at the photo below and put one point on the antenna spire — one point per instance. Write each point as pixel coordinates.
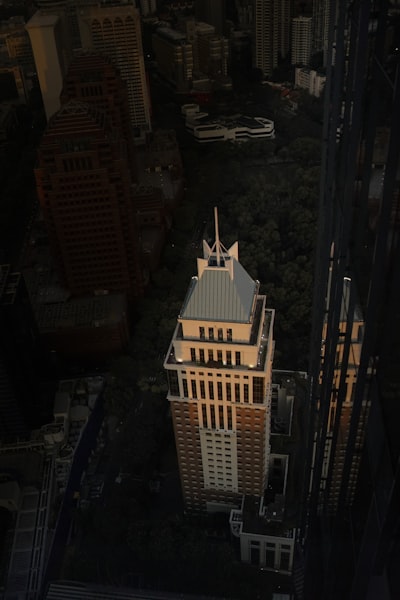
(217, 245)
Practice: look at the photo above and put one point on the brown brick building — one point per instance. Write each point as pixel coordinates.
(93, 79)
(84, 187)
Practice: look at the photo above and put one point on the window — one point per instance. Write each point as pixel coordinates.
(220, 336)
(204, 415)
(211, 333)
(229, 335)
(285, 560)
(201, 355)
(229, 357)
(211, 390)
(258, 390)
(219, 390)
(211, 355)
(237, 358)
(202, 333)
(194, 389)
(185, 388)
(229, 412)
(219, 356)
(212, 411)
(192, 354)
(202, 390)
(221, 416)
(173, 383)
(228, 392)
(246, 392)
(237, 392)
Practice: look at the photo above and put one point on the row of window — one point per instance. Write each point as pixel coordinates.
(216, 419)
(230, 392)
(214, 356)
(220, 334)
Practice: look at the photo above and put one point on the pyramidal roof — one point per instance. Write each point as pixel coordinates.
(222, 290)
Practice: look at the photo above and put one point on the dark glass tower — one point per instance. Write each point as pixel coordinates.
(351, 546)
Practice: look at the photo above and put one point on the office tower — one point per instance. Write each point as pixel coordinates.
(212, 52)
(46, 35)
(219, 374)
(20, 358)
(115, 30)
(266, 35)
(84, 188)
(301, 40)
(353, 553)
(174, 57)
(93, 79)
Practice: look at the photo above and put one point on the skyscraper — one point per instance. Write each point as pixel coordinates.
(115, 30)
(266, 35)
(85, 190)
(92, 78)
(321, 19)
(46, 35)
(301, 40)
(352, 552)
(219, 368)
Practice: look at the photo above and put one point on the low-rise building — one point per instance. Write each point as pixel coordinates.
(311, 80)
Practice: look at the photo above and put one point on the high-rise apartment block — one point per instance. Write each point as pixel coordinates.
(285, 20)
(85, 190)
(219, 373)
(266, 35)
(115, 30)
(301, 40)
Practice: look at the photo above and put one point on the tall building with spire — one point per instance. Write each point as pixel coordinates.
(219, 368)
(222, 397)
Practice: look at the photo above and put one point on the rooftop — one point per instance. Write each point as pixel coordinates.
(222, 289)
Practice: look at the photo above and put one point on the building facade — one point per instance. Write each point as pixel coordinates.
(266, 35)
(309, 79)
(301, 40)
(84, 187)
(93, 79)
(115, 30)
(46, 35)
(219, 373)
